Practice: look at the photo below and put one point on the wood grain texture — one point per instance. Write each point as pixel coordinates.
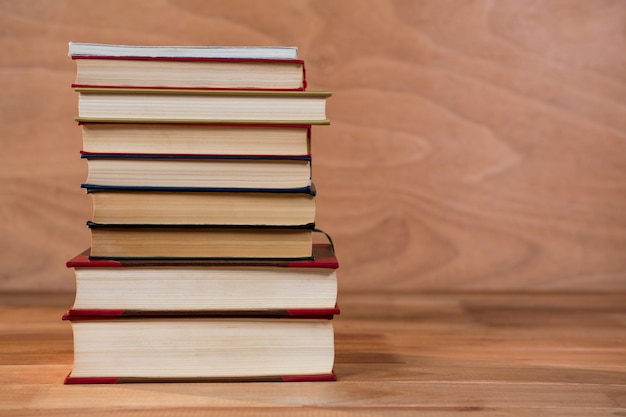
(477, 145)
(396, 355)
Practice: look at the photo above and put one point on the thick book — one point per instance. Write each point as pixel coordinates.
(193, 73)
(109, 348)
(143, 287)
(79, 49)
(163, 206)
(198, 171)
(194, 138)
(200, 241)
(125, 105)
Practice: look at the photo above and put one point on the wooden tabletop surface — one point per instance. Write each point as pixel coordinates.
(396, 354)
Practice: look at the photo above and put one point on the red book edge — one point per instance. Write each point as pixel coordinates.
(134, 155)
(219, 124)
(70, 380)
(323, 257)
(120, 314)
(161, 87)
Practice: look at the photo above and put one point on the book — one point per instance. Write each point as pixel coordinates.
(162, 206)
(116, 349)
(144, 287)
(77, 49)
(198, 171)
(200, 241)
(194, 73)
(187, 105)
(201, 139)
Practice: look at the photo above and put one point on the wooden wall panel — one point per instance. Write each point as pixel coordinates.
(474, 145)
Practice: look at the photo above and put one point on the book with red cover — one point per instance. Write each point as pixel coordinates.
(112, 349)
(261, 288)
(132, 68)
(323, 257)
(187, 67)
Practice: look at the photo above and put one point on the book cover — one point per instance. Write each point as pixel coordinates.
(323, 257)
(70, 380)
(80, 49)
(94, 188)
(113, 155)
(120, 314)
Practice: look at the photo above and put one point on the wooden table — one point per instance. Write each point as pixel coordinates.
(396, 354)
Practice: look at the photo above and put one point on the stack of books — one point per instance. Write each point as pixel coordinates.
(202, 264)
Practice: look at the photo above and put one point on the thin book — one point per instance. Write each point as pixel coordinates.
(143, 105)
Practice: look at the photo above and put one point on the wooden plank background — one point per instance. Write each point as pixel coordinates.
(474, 145)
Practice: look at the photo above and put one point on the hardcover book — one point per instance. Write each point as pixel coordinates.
(198, 171)
(156, 206)
(193, 73)
(199, 139)
(263, 287)
(200, 241)
(209, 106)
(114, 349)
